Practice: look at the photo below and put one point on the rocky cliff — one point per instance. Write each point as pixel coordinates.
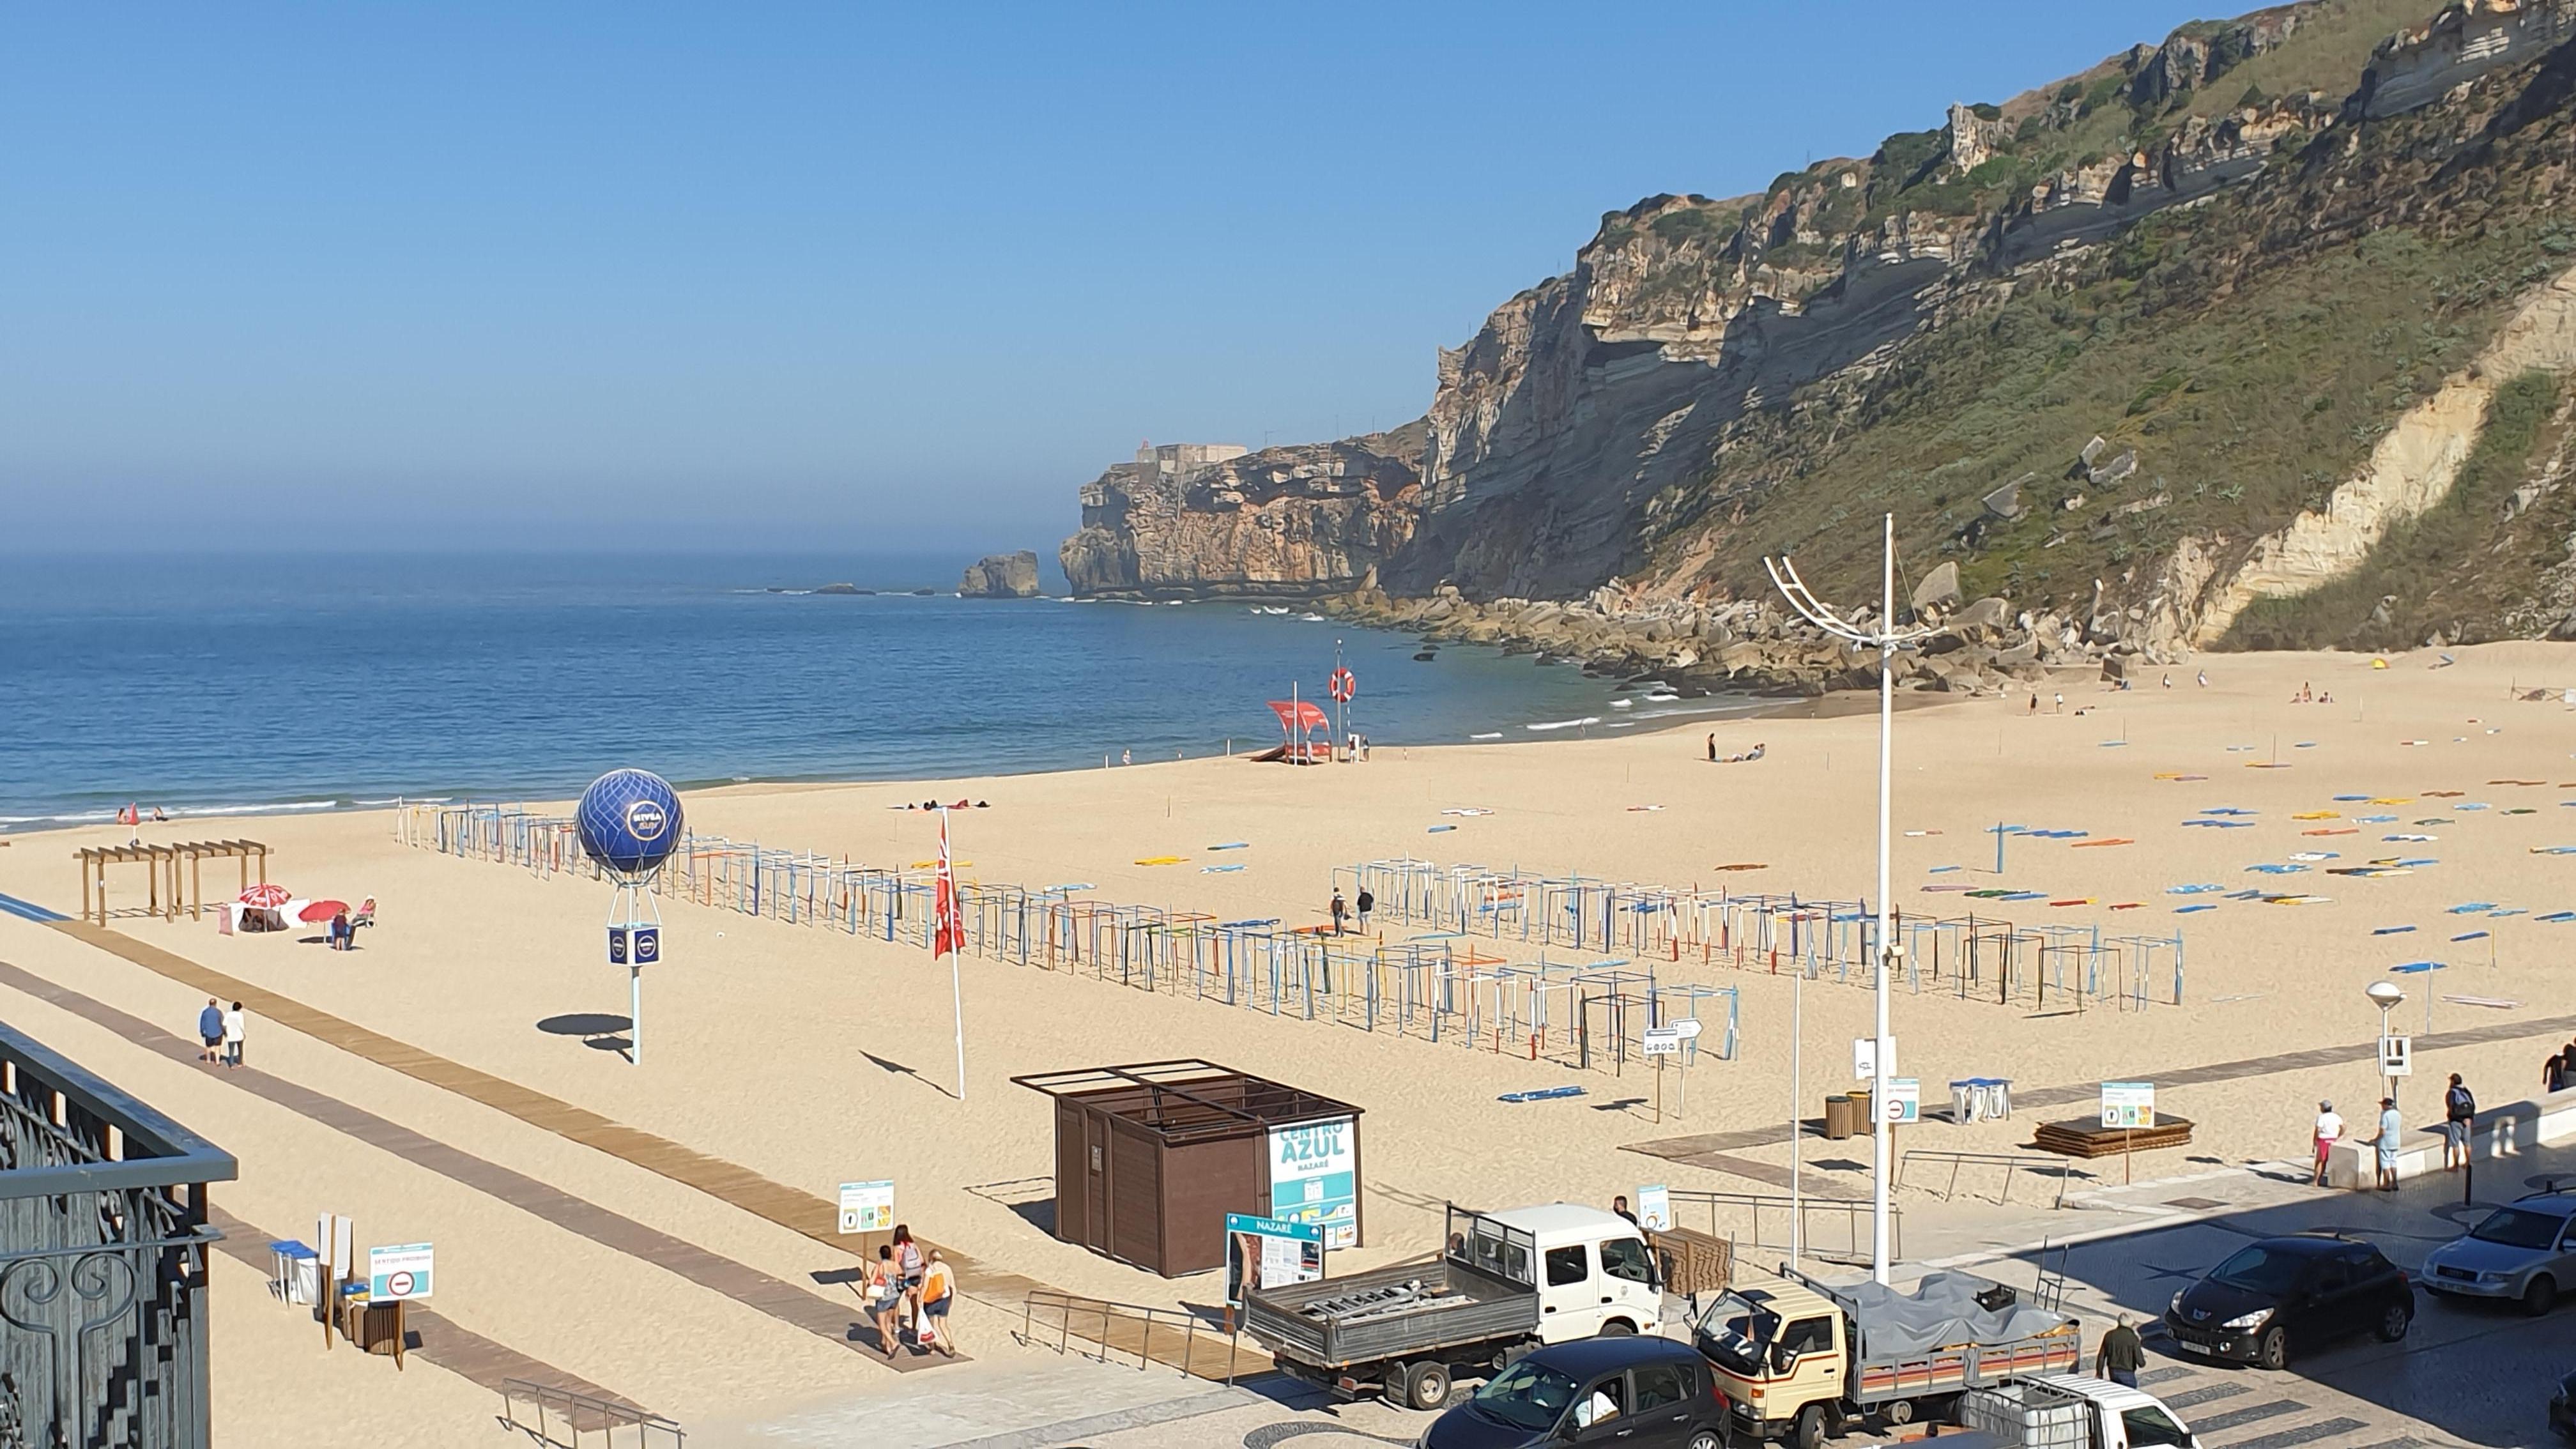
(1001, 576)
(1312, 519)
(2205, 325)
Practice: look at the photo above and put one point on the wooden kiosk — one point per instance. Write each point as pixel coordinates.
(1151, 1156)
(167, 892)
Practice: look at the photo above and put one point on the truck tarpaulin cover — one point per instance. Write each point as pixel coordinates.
(1941, 1311)
(1299, 714)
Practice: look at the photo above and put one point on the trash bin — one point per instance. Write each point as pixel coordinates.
(1862, 1122)
(1838, 1117)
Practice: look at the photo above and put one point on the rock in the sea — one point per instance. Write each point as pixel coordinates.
(841, 589)
(1001, 576)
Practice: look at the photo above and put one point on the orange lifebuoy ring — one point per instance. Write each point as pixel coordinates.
(1342, 686)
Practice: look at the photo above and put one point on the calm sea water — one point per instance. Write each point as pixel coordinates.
(315, 682)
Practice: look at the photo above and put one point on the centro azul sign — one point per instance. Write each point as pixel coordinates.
(1314, 1178)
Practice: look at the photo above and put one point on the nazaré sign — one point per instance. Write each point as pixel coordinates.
(1314, 1178)
(1269, 1253)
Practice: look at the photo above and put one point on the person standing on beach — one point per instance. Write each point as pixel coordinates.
(210, 1029)
(1339, 910)
(2121, 1356)
(2459, 1117)
(2391, 1128)
(938, 1292)
(2329, 1130)
(1367, 903)
(234, 1021)
(1712, 747)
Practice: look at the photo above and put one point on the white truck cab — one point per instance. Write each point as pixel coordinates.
(2047, 1408)
(1592, 1270)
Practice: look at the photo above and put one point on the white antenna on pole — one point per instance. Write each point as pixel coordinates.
(1887, 639)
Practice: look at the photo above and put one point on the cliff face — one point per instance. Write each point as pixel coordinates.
(2101, 347)
(1310, 519)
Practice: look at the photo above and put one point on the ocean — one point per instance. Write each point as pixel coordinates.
(247, 683)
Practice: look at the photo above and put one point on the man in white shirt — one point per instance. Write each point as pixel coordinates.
(234, 1021)
(2329, 1128)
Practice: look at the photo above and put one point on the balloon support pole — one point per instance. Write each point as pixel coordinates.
(634, 906)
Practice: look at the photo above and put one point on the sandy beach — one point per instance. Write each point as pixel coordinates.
(812, 1057)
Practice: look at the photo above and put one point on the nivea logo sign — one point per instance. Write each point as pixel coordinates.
(645, 820)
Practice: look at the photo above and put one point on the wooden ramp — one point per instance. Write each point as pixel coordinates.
(799, 1211)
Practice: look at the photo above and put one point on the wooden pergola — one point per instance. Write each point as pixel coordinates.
(168, 891)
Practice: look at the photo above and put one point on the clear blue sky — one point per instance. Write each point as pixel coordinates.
(557, 275)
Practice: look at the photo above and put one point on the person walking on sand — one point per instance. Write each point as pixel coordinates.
(234, 1020)
(2121, 1356)
(884, 1295)
(210, 1029)
(2329, 1131)
(2391, 1128)
(938, 1293)
(1367, 903)
(910, 1268)
(1339, 910)
(2061, 702)
(2459, 1118)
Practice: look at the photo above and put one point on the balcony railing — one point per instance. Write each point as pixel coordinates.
(103, 1242)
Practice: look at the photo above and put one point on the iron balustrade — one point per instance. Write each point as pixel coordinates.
(2010, 1162)
(103, 1268)
(584, 1414)
(1767, 1216)
(1107, 1324)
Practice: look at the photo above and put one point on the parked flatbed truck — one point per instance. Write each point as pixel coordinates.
(1796, 1357)
(1507, 1282)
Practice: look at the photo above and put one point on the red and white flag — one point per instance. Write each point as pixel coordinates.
(949, 931)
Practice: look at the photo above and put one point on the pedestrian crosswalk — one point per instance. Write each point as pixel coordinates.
(2249, 1409)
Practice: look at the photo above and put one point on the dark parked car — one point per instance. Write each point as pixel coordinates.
(2562, 1419)
(1633, 1392)
(2280, 1295)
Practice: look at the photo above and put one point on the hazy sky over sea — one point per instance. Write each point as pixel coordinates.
(828, 276)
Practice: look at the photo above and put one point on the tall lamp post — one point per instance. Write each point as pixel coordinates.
(1886, 638)
(2387, 997)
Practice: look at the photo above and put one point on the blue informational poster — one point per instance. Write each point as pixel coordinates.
(1314, 1178)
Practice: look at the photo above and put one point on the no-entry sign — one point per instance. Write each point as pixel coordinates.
(399, 1272)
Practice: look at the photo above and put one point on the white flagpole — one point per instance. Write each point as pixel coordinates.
(956, 990)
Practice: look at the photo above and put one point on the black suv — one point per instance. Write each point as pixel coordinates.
(2279, 1293)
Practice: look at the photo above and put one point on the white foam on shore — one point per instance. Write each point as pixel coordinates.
(183, 812)
(1565, 724)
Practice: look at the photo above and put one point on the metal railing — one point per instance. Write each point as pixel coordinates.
(582, 1414)
(1110, 1325)
(103, 1240)
(1765, 1218)
(2012, 1163)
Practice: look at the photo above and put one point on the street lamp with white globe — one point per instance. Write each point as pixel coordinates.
(2387, 996)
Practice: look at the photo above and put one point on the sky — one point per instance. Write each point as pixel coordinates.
(474, 276)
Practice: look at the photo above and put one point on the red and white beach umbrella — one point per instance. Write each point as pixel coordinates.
(267, 896)
(321, 911)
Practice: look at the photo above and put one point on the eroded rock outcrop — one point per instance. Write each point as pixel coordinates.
(2410, 470)
(1001, 576)
(1288, 522)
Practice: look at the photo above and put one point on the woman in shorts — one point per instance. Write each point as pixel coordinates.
(938, 1291)
(884, 1294)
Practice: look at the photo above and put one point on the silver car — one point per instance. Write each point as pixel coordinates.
(2524, 1251)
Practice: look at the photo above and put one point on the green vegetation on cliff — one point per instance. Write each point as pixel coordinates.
(2469, 559)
